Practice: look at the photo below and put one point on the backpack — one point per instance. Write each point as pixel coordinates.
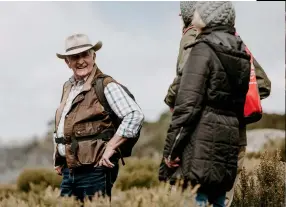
(125, 149)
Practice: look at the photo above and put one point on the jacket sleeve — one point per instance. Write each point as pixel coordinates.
(264, 84)
(172, 92)
(187, 39)
(190, 94)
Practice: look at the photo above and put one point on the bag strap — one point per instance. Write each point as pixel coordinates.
(187, 29)
(99, 90)
(245, 48)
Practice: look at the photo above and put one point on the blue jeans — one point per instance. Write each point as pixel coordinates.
(87, 181)
(202, 200)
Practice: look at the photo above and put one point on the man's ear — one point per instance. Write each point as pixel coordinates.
(67, 62)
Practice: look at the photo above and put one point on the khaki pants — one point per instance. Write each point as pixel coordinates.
(230, 194)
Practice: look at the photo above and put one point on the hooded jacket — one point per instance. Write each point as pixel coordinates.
(204, 131)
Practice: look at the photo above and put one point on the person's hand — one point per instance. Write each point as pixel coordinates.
(172, 110)
(172, 163)
(108, 152)
(58, 169)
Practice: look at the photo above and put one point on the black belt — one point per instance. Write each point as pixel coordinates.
(74, 141)
(60, 140)
(107, 135)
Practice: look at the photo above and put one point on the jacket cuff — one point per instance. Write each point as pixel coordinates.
(169, 101)
(170, 98)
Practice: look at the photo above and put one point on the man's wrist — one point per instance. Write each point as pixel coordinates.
(115, 141)
(111, 146)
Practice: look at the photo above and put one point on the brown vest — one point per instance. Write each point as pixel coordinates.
(83, 123)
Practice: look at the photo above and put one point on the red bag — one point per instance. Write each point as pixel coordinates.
(252, 106)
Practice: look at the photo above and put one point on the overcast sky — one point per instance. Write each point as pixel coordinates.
(140, 47)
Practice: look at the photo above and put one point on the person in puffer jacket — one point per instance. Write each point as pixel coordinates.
(188, 37)
(263, 82)
(203, 137)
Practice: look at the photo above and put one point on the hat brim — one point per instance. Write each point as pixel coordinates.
(96, 47)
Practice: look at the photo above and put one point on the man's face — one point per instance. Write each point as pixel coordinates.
(81, 64)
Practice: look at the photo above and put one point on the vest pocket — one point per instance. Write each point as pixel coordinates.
(87, 129)
(90, 151)
(72, 162)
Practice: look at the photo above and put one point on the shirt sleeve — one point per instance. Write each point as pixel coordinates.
(125, 108)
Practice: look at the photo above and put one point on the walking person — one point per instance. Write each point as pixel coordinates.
(188, 36)
(203, 137)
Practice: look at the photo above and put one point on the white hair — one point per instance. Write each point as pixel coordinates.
(197, 21)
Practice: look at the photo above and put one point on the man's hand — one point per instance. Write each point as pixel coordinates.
(58, 169)
(113, 144)
(108, 152)
(172, 163)
(172, 110)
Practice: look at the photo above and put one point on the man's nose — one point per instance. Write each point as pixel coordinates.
(80, 60)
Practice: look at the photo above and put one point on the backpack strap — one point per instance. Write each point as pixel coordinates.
(100, 82)
(99, 85)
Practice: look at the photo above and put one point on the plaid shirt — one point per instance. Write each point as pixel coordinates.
(122, 105)
(126, 108)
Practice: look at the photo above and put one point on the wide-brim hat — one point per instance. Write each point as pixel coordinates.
(78, 43)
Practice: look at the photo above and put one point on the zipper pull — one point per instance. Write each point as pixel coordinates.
(173, 146)
(169, 158)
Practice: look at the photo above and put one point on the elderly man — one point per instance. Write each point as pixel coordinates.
(87, 137)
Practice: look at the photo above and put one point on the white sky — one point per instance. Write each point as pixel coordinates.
(140, 47)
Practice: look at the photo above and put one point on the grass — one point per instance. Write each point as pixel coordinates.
(262, 183)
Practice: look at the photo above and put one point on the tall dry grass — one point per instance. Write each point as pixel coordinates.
(137, 185)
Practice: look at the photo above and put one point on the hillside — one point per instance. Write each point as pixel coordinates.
(39, 153)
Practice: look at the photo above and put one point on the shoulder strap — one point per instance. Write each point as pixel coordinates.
(187, 29)
(99, 90)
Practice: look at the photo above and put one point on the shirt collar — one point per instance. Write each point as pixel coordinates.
(79, 82)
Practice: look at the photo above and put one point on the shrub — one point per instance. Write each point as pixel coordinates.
(137, 179)
(155, 197)
(7, 190)
(271, 180)
(38, 179)
(138, 173)
(272, 145)
(266, 187)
